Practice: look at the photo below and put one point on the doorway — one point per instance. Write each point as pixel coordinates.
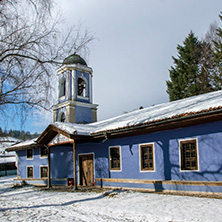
(86, 167)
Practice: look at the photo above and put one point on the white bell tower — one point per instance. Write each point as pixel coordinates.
(74, 96)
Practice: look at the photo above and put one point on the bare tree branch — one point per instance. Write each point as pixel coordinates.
(31, 48)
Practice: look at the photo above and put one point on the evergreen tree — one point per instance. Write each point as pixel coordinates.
(184, 74)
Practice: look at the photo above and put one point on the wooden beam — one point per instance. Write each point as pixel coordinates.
(74, 166)
(169, 182)
(49, 167)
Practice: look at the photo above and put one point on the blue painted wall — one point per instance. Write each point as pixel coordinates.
(61, 161)
(36, 162)
(167, 163)
(83, 114)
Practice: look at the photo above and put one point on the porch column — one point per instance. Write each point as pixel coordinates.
(49, 167)
(74, 166)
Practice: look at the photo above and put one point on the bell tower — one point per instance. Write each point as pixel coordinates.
(74, 96)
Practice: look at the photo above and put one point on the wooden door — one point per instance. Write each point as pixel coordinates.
(86, 170)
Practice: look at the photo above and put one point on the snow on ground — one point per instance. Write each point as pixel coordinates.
(31, 204)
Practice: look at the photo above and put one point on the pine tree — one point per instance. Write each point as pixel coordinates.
(184, 74)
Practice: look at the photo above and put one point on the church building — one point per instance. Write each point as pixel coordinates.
(170, 147)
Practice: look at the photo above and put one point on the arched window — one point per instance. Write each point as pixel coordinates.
(62, 117)
(62, 90)
(82, 87)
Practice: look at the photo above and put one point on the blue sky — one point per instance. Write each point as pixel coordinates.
(136, 40)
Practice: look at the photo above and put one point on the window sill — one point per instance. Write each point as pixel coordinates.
(115, 170)
(43, 156)
(62, 97)
(146, 170)
(82, 97)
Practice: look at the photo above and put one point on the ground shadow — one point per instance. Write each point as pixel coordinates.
(55, 205)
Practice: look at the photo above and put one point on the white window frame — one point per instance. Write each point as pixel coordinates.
(42, 157)
(62, 87)
(32, 172)
(30, 158)
(60, 116)
(86, 88)
(154, 155)
(40, 171)
(180, 164)
(120, 157)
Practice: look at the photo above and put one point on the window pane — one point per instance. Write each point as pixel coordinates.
(44, 172)
(43, 151)
(188, 155)
(146, 157)
(30, 172)
(81, 87)
(115, 158)
(29, 153)
(193, 163)
(187, 164)
(193, 154)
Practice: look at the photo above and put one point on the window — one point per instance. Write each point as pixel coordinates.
(43, 171)
(82, 87)
(114, 154)
(188, 153)
(29, 154)
(147, 157)
(43, 151)
(62, 89)
(29, 172)
(62, 117)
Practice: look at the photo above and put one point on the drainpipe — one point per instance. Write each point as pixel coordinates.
(74, 166)
(49, 168)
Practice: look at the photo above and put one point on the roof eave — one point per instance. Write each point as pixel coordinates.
(25, 147)
(161, 125)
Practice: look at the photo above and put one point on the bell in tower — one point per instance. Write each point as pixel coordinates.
(74, 97)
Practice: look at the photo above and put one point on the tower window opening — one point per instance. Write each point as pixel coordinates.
(62, 87)
(62, 118)
(82, 87)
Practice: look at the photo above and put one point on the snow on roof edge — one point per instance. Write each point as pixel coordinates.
(171, 110)
(22, 144)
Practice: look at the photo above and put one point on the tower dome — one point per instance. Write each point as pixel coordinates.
(74, 59)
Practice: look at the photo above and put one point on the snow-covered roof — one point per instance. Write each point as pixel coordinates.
(157, 113)
(6, 142)
(170, 110)
(8, 159)
(9, 139)
(26, 143)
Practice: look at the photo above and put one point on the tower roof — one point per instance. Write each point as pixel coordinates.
(74, 59)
